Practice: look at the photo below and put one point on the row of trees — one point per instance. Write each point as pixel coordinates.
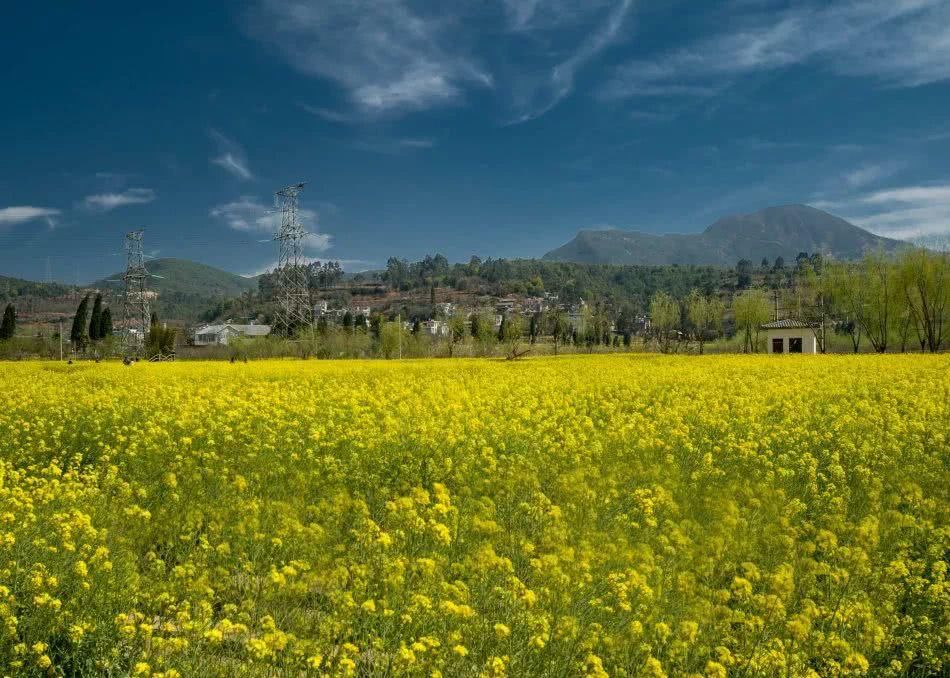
(893, 301)
(98, 327)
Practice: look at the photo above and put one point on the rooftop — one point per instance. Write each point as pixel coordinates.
(250, 330)
(786, 324)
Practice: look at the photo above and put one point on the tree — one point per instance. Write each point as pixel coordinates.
(475, 329)
(810, 299)
(105, 323)
(359, 322)
(416, 327)
(779, 264)
(95, 322)
(160, 340)
(743, 274)
(751, 310)
(664, 319)
(77, 335)
(8, 326)
(765, 264)
(456, 332)
(705, 315)
(535, 326)
(348, 321)
(376, 325)
(925, 280)
(391, 335)
(510, 334)
(870, 293)
(560, 328)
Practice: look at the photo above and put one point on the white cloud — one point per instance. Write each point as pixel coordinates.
(327, 113)
(397, 56)
(24, 213)
(897, 42)
(869, 174)
(231, 156)
(248, 214)
(386, 54)
(560, 83)
(109, 201)
(906, 212)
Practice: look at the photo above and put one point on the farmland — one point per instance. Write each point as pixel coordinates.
(586, 515)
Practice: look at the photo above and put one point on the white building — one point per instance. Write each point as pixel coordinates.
(445, 308)
(218, 335)
(790, 336)
(437, 328)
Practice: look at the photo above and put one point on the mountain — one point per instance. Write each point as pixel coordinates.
(183, 277)
(773, 232)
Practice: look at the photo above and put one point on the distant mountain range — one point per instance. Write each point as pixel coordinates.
(773, 232)
(180, 276)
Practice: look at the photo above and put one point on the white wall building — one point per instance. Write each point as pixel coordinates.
(218, 335)
(790, 336)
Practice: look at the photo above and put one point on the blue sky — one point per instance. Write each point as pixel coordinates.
(496, 128)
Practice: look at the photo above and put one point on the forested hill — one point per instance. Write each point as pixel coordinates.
(770, 233)
(15, 288)
(190, 278)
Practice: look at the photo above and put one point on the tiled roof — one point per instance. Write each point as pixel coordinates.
(786, 324)
(250, 330)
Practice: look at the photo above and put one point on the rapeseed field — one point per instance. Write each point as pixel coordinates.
(584, 515)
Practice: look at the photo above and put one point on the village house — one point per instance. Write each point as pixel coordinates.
(436, 328)
(445, 308)
(532, 305)
(790, 336)
(219, 335)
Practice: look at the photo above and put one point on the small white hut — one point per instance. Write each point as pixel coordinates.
(790, 336)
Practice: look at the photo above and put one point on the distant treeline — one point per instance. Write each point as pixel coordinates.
(12, 289)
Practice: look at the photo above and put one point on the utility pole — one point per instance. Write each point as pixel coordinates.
(292, 290)
(399, 328)
(136, 306)
(60, 340)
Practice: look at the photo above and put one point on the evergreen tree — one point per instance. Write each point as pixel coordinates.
(8, 327)
(347, 321)
(77, 335)
(475, 323)
(105, 323)
(416, 328)
(502, 328)
(95, 322)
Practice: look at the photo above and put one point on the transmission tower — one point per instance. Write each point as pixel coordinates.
(136, 308)
(293, 297)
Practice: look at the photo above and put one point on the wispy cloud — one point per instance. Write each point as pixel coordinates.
(105, 202)
(394, 146)
(327, 114)
(10, 216)
(902, 43)
(906, 212)
(248, 214)
(397, 56)
(870, 174)
(388, 55)
(231, 156)
(560, 83)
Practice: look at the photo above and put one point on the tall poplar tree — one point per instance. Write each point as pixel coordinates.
(95, 322)
(8, 326)
(77, 335)
(105, 323)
